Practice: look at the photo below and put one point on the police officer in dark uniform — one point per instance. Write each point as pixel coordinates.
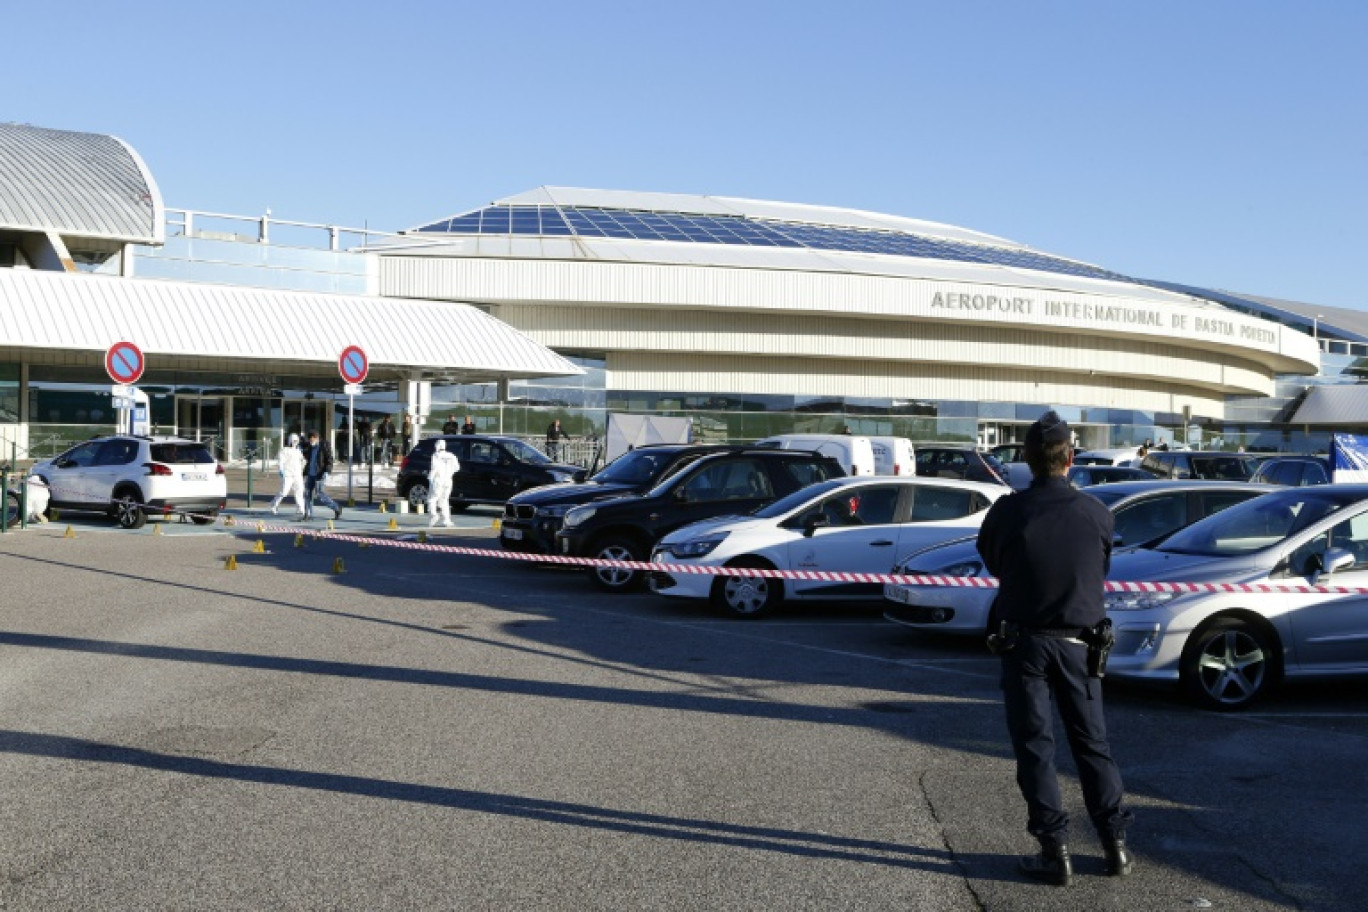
(1050, 548)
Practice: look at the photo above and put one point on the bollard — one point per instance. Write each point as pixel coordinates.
(230, 563)
(69, 533)
(299, 540)
(156, 529)
(259, 547)
(382, 507)
(393, 525)
(403, 506)
(422, 536)
(337, 566)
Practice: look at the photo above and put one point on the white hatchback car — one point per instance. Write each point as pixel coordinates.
(856, 525)
(130, 478)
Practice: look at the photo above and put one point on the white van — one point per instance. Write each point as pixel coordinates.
(855, 454)
(893, 456)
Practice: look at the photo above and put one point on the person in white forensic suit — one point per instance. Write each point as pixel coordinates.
(38, 497)
(291, 475)
(444, 465)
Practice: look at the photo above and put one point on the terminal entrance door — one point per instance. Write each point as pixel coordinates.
(304, 415)
(201, 418)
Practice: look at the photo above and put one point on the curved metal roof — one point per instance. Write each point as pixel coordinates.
(223, 323)
(679, 220)
(77, 185)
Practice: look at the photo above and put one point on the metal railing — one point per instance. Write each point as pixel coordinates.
(185, 222)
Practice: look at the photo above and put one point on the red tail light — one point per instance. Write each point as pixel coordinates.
(218, 470)
(156, 468)
(403, 464)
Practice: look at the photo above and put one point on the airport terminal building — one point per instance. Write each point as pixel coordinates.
(751, 318)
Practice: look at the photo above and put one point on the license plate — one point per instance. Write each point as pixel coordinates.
(512, 534)
(194, 476)
(899, 594)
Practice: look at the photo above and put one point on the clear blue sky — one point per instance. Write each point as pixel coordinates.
(1215, 142)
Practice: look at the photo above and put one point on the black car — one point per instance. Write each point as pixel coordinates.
(493, 469)
(959, 462)
(734, 481)
(1210, 465)
(532, 519)
(1294, 471)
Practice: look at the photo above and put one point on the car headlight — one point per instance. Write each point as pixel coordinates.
(962, 568)
(562, 477)
(698, 547)
(553, 511)
(1136, 601)
(579, 515)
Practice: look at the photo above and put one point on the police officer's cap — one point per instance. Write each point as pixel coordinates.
(1048, 428)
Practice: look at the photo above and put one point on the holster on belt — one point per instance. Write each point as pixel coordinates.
(1004, 640)
(1100, 640)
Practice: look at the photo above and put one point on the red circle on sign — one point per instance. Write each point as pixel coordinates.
(124, 362)
(353, 364)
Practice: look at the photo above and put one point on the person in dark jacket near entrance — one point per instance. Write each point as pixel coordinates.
(1050, 548)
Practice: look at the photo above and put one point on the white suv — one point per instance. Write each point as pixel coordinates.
(132, 477)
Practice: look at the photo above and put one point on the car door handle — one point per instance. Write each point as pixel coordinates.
(881, 543)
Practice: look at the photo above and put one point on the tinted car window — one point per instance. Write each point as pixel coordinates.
(634, 468)
(802, 474)
(483, 453)
(930, 504)
(118, 452)
(524, 452)
(83, 455)
(728, 479)
(1151, 518)
(1313, 473)
(1284, 473)
(180, 453)
(1230, 468)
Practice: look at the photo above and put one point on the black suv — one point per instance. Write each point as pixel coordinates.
(1294, 471)
(493, 469)
(532, 518)
(734, 481)
(959, 462)
(1214, 466)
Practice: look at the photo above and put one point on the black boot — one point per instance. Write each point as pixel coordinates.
(1052, 865)
(1119, 859)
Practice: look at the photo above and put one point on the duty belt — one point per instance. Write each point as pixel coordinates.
(1060, 633)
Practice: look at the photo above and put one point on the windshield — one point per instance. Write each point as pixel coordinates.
(796, 499)
(635, 468)
(1259, 523)
(524, 452)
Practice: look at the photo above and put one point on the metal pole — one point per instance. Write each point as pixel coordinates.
(351, 444)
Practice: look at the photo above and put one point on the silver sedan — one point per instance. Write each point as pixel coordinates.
(1230, 648)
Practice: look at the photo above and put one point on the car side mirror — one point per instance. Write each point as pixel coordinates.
(1327, 564)
(1117, 540)
(813, 522)
(681, 495)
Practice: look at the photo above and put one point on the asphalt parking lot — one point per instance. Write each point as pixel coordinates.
(438, 731)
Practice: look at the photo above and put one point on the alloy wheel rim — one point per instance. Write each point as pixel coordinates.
(1233, 661)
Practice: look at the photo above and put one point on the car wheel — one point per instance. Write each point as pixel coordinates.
(129, 512)
(616, 579)
(417, 495)
(1229, 664)
(748, 596)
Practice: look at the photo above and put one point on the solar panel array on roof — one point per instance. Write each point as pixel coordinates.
(584, 221)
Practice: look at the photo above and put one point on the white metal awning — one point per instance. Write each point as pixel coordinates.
(189, 325)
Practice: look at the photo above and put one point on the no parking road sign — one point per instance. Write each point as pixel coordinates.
(353, 364)
(125, 363)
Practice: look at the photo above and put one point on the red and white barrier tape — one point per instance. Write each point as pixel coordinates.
(832, 576)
